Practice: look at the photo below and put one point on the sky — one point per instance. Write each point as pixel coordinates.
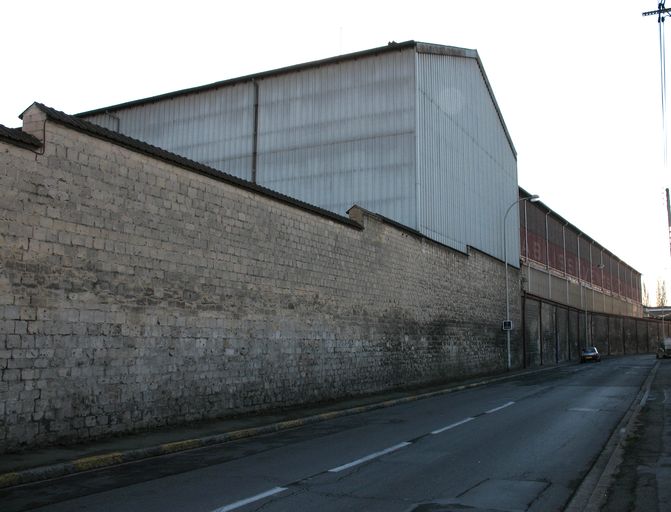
(577, 81)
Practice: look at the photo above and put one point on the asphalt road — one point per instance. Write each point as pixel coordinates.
(522, 444)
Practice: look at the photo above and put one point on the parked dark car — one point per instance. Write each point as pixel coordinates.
(590, 354)
(664, 349)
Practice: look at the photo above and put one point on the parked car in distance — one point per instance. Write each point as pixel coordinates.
(664, 349)
(590, 354)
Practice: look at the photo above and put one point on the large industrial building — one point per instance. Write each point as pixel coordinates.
(565, 265)
(329, 229)
(411, 131)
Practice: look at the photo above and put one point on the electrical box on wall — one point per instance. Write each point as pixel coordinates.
(507, 325)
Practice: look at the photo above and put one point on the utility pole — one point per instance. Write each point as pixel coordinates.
(668, 215)
(662, 13)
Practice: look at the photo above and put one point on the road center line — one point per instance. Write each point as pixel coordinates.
(369, 457)
(252, 499)
(499, 407)
(441, 430)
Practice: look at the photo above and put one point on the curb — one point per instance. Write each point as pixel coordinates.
(106, 460)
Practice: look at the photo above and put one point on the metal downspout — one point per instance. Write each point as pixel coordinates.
(556, 329)
(563, 234)
(524, 330)
(540, 329)
(591, 275)
(255, 137)
(547, 255)
(526, 244)
(418, 182)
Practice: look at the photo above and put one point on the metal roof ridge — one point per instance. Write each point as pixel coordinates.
(422, 47)
(390, 47)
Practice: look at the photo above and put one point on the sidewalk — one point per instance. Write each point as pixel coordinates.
(52, 462)
(643, 479)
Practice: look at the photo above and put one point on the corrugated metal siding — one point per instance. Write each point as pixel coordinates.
(343, 134)
(558, 289)
(214, 128)
(467, 168)
(362, 131)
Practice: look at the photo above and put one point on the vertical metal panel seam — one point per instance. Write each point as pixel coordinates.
(255, 129)
(418, 170)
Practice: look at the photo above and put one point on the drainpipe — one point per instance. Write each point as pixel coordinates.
(255, 137)
(526, 245)
(556, 336)
(580, 287)
(524, 330)
(563, 234)
(591, 275)
(547, 254)
(603, 288)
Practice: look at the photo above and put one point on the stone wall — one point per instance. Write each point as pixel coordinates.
(136, 293)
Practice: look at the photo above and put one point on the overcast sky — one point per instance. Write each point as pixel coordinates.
(577, 81)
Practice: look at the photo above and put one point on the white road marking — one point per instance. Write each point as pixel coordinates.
(252, 499)
(369, 457)
(583, 409)
(499, 407)
(441, 430)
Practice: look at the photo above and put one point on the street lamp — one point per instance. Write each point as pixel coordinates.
(508, 325)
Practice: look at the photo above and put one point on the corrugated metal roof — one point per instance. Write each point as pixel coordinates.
(391, 47)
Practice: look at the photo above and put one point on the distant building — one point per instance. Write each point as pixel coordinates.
(567, 266)
(657, 312)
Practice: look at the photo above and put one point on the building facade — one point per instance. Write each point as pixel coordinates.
(576, 293)
(567, 266)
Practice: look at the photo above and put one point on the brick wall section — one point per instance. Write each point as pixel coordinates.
(135, 293)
